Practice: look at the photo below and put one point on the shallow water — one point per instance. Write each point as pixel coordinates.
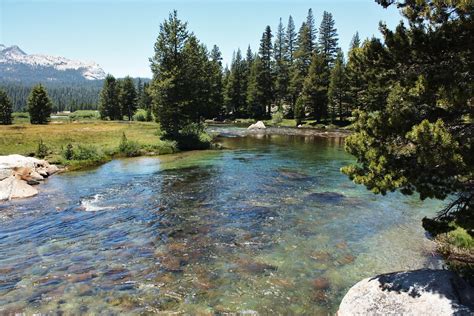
(268, 225)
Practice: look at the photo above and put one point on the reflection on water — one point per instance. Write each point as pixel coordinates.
(268, 225)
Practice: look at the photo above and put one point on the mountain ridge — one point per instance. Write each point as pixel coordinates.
(18, 66)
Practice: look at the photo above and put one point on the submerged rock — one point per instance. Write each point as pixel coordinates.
(418, 292)
(18, 173)
(254, 267)
(321, 283)
(258, 125)
(293, 175)
(325, 197)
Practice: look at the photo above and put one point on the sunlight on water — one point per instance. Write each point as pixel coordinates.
(268, 225)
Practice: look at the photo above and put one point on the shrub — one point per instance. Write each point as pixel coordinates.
(129, 148)
(299, 111)
(25, 115)
(68, 154)
(459, 237)
(140, 115)
(84, 115)
(83, 152)
(193, 136)
(42, 150)
(277, 118)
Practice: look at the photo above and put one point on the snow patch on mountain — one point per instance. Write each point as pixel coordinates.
(14, 55)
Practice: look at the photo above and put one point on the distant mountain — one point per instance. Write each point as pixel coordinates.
(18, 66)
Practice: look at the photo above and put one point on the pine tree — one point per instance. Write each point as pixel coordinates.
(168, 77)
(413, 130)
(315, 88)
(255, 96)
(236, 88)
(328, 39)
(354, 76)
(355, 42)
(311, 24)
(127, 98)
(181, 86)
(216, 101)
(299, 110)
(109, 106)
(6, 109)
(249, 57)
(300, 67)
(337, 89)
(290, 40)
(264, 76)
(139, 92)
(281, 69)
(39, 105)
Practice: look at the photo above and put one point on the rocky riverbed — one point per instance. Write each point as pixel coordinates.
(19, 175)
(259, 128)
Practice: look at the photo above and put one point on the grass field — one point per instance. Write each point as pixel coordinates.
(103, 136)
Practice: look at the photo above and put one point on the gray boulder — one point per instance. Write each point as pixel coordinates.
(418, 292)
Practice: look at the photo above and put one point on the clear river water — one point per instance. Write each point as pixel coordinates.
(268, 225)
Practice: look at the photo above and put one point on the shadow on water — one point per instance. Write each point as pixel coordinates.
(268, 225)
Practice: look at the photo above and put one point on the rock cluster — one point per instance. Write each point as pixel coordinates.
(418, 292)
(18, 174)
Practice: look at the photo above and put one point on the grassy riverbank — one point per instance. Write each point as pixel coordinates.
(90, 142)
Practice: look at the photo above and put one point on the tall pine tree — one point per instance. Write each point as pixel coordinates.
(311, 24)
(128, 98)
(337, 89)
(328, 38)
(236, 88)
(290, 40)
(264, 76)
(315, 88)
(216, 98)
(109, 106)
(300, 67)
(181, 85)
(39, 105)
(169, 81)
(6, 109)
(281, 69)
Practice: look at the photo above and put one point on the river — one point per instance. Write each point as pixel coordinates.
(268, 225)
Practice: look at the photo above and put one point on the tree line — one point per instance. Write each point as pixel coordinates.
(299, 74)
(65, 97)
(120, 98)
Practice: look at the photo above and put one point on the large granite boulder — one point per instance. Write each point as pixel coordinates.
(18, 173)
(418, 292)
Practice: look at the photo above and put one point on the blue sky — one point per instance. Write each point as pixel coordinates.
(119, 35)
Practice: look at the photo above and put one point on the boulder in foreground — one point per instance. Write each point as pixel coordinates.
(418, 292)
(18, 172)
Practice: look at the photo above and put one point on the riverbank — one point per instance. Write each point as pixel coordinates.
(80, 144)
(236, 130)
